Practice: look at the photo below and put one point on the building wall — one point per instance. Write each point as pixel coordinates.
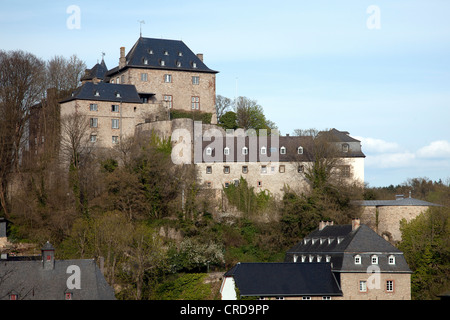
(181, 87)
(385, 220)
(350, 286)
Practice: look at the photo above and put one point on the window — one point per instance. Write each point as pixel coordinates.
(326, 298)
(145, 61)
(93, 107)
(259, 184)
(263, 150)
(168, 100)
(178, 63)
(244, 169)
(167, 78)
(306, 298)
(195, 103)
(391, 259)
(358, 259)
(374, 259)
(208, 170)
(208, 151)
(144, 77)
(208, 184)
(162, 63)
(226, 169)
(97, 93)
(327, 258)
(117, 80)
(362, 286)
(390, 285)
(300, 169)
(166, 53)
(279, 298)
(244, 150)
(263, 169)
(115, 123)
(345, 147)
(93, 122)
(227, 184)
(283, 150)
(93, 138)
(68, 295)
(345, 171)
(150, 51)
(226, 151)
(194, 65)
(195, 80)
(282, 168)
(300, 150)
(180, 54)
(115, 139)
(13, 296)
(115, 108)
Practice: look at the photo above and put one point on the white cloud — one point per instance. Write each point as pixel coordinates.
(377, 145)
(390, 160)
(436, 149)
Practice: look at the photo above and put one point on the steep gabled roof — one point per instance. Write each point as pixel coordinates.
(98, 71)
(106, 92)
(284, 279)
(397, 202)
(163, 54)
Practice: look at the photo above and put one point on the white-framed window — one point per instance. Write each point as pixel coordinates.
(300, 150)
(145, 61)
(358, 259)
(263, 150)
(166, 53)
(245, 150)
(115, 123)
(326, 298)
(226, 151)
(195, 80)
(168, 100)
(195, 103)
(144, 77)
(279, 298)
(93, 107)
(327, 258)
(162, 63)
(306, 298)
(194, 65)
(178, 64)
(208, 151)
(390, 285)
(391, 259)
(93, 122)
(362, 286)
(283, 150)
(97, 94)
(115, 108)
(374, 259)
(167, 78)
(115, 139)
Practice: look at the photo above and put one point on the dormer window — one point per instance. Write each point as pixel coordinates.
(97, 94)
(358, 259)
(145, 61)
(180, 54)
(263, 150)
(194, 65)
(345, 147)
(295, 258)
(166, 53)
(303, 258)
(208, 151)
(117, 94)
(374, 259)
(300, 150)
(283, 150)
(178, 64)
(68, 295)
(226, 151)
(162, 63)
(150, 51)
(391, 260)
(245, 150)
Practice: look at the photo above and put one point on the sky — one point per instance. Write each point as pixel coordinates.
(379, 70)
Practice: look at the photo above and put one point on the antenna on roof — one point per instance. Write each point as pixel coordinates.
(103, 55)
(140, 27)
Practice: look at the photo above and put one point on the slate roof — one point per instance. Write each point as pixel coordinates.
(284, 279)
(26, 277)
(397, 202)
(341, 244)
(175, 54)
(98, 71)
(106, 91)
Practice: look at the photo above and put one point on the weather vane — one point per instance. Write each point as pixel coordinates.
(140, 26)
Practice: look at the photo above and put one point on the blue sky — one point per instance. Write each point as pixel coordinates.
(309, 64)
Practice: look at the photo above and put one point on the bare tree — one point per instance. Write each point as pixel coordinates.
(21, 87)
(223, 104)
(64, 74)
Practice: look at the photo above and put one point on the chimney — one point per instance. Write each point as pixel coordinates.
(200, 56)
(410, 194)
(355, 223)
(122, 61)
(48, 256)
(322, 225)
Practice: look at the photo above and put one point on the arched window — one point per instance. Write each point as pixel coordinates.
(300, 150)
(283, 150)
(208, 151)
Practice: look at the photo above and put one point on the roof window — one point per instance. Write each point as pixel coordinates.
(150, 51)
(166, 53)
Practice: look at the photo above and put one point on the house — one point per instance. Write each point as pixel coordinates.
(335, 262)
(155, 78)
(280, 281)
(45, 278)
(384, 216)
(365, 265)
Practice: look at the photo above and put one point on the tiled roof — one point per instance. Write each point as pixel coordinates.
(103, 91)
(163, 54)
(98, 71)
(397, 202)
(284, 279)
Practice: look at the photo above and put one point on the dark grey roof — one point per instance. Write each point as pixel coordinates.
(30, 281)
(106, 92)
(397, 202)
(175, 54)
(284, 279)
(342, 243)
(98, 71)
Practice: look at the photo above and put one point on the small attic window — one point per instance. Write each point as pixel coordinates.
(194, 65)
(96, 93)
(178, 64)
(180, 54)
(150, 51)
(300, 150)
(283, 150)
(117, 94)
(162, 63)
(166, 53)
(145, 61)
